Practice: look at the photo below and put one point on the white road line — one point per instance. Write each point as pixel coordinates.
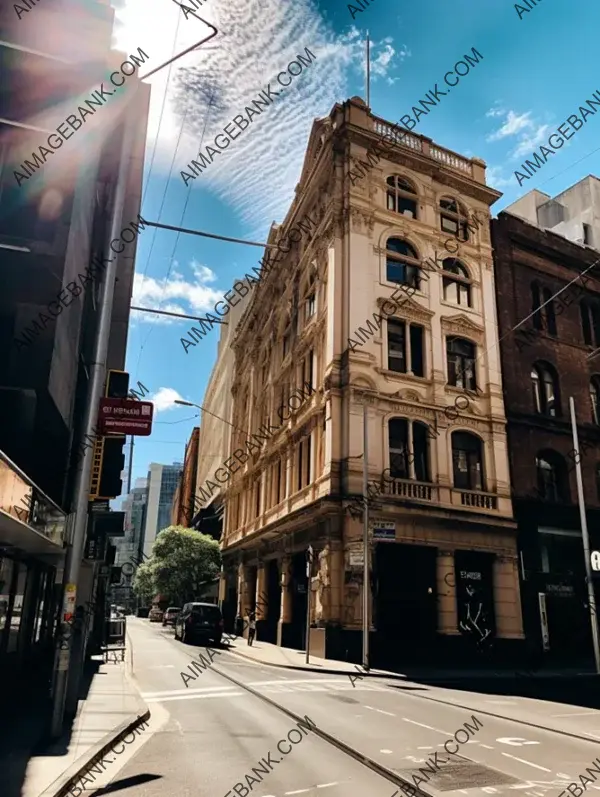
(429, 728)
(188, 691)
(577, 714)
(298, 791)
(299, 681)
(381, 711)
(523, 761)
(562, 775)
(195, 697)
(387, 752)
(325, 785)
(425, 748)
(487, 746)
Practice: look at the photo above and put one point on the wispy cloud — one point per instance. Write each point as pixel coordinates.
(514, 124)
(164, 399)
(257, 40)
(530, 142)
(494, 177)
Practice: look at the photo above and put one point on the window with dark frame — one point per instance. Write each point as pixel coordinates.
(467, 459)
(401, 196)
(551, 477)
(310, 306)
(421, 449)
(456, 283)
(454, 219)
(397, 352)
(542, 305)
(595, 398)
(398, 445)
(587, 234)
(590, 322)
(544, 384)
(402, 263)
(460, 356)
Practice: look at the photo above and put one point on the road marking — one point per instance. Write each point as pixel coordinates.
(429, 728)
(515, 741)
(195, 697)
(299, 681)
(523, 761)
(562, 775)
(425, 748)
(298, 791)
(188, 691)
(160, 667)
(381, 711)
(489, 790)
(387, 752)
(487, 746)
(325, 785)
(577, 714)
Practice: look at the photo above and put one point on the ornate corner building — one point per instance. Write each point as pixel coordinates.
(381, 305)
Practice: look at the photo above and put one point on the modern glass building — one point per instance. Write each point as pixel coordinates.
(162, 483)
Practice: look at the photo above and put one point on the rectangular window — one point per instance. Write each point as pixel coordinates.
(398, 443)
(279, 491)
(311, 306)
(416, 350)
(587, 235)
(307, 454)
(397, 346)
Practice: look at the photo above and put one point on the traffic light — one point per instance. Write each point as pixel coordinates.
(112, 464)
(117, 384)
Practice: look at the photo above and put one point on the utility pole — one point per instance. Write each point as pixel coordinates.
(309, 559)
(130, 465)
(366, 581)
(586, 538)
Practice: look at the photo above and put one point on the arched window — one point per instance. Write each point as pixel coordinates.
(544, 319)
(409, 458)
(460, 358)
(453, 218)
(590, 322)
(402, 263)
(467, 459)
(544, 384)
(551, 477)
(595, 396)
(401, 196)
(456, 282)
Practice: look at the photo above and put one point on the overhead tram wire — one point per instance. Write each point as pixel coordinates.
(187, 199)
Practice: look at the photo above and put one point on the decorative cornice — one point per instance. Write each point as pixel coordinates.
(409, 310)
(462, 326)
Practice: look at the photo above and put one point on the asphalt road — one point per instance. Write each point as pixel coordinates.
(219, 726)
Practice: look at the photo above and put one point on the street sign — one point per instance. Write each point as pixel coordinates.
(383, 530)
(595, 557)
(125, 416)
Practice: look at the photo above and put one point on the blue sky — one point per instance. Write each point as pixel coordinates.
(533, 75)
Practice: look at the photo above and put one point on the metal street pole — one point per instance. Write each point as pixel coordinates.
(309, 558)
(130, 465)
(585, 536)
(366, 585)
(84, 467)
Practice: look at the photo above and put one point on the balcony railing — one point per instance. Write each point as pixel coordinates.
(477, 500)
(24, 500)
(422, 144)
(408, 488)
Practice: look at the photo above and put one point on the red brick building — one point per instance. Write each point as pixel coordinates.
(545, 362)
(183, 501)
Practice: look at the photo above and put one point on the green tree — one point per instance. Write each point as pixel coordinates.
(181, 560)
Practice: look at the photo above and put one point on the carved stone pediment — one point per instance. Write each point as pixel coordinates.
(462, 326)
(408, 309)
(407, 395)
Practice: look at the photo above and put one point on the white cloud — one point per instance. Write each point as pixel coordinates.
(513, 125)
(494, 178)
(164, 399)
(195, 295)
(528, 143)
(257, 39)
(493, 112)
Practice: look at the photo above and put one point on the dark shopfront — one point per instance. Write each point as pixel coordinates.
(28, 613)
(556, 614)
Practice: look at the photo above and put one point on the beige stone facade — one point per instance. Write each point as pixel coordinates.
(355, 236)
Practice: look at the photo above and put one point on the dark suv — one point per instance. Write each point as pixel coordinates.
(199, 621)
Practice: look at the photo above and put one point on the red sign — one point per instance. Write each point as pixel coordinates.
(125, 416)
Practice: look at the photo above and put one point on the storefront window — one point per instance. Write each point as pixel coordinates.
(6, 571)
(15, 620)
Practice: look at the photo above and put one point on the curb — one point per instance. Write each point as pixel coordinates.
(63, 785)
(326, 670)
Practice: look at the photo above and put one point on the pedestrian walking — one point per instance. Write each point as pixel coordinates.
(251, 627)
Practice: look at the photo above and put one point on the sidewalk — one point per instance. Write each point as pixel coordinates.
(111, 707)
(275, 656)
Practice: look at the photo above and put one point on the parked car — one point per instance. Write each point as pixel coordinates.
(143, 611)
(199, 621)
(156, 614)
(171, 615)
